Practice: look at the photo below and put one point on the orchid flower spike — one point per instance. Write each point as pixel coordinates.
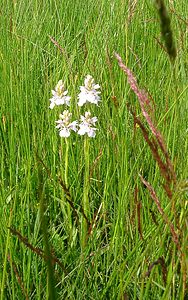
(65, 125)
(60, 96)
(89, 92)
(86, 125)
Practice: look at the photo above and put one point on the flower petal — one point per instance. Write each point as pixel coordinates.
(82, 130)
(52, 104)
(65, 132)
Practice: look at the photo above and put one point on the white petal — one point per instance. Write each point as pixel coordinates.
(92, 132)
(52, 104)
(92, 97)
(94, 120)
(83, 89)
(82, 130)
(73, 126)
(65, 93)
(82, 118)
(60, 101)
(96, 86)
(65, 132)
(67, 100)
(82, 100)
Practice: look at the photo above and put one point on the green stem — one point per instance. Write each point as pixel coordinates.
(66, 183)
(66, 162)
(7, 247)
(86, 192)
(51, 292)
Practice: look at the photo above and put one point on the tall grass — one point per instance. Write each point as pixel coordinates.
(130, 251)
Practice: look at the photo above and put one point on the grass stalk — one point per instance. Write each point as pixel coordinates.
(6, 258)
(86, 193)
(115, 240)
(69, 215)
(51, 292)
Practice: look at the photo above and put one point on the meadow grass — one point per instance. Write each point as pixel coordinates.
(130, 251)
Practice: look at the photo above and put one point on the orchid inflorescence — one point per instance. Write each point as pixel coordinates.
(59, 95)
(89, 93)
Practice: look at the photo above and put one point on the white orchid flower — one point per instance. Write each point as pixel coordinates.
(89, 92)
(65, 125)
(60, 96)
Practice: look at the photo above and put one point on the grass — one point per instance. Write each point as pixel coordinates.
(129, 252)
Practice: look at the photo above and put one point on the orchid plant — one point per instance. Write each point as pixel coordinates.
(89, 94)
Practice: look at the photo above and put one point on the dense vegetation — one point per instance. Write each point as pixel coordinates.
(104, 217)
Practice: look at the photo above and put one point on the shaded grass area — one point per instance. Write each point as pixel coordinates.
(130, 253)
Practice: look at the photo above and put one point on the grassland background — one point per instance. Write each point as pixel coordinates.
(114, 263)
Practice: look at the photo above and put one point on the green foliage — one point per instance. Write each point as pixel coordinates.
(130, 253)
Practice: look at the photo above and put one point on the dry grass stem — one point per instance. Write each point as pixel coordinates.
(37, 250)
(157, 202)
(161, 262)
(18, 277)
(145, 107)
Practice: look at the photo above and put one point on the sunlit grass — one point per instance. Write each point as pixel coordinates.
(127, 234)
